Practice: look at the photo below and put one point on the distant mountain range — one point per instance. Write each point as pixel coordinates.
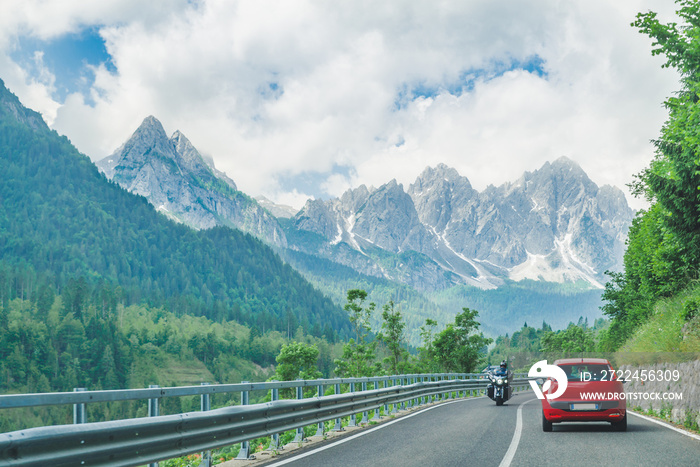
(438, 236)
(553, 224)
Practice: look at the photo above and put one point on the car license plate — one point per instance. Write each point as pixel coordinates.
(584, 406)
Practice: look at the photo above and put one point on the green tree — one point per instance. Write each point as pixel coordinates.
(393, 327)
(426, 353)
(359, 315)
(672, 179)
(573, 339)
(358, 358)
(297, 360)
(109, 370)
(663, 251)
(459, 348)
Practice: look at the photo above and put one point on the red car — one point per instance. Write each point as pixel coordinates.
(592, 395)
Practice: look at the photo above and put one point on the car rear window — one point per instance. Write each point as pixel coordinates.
(580, 372)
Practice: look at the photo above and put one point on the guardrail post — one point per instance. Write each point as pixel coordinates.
(415, 399)
(299, 437)
(404, 382)
(429, 397)
(205, 405)
(386, 406)
(79, 410)
(365, 414)
(376, 415)
(153, 403)
(422, 398)
(275, 441)
(338, 422)
(409, 403)
(395, 409)
(244, 453)
(153, 412)
(353, 417)
(321, 426)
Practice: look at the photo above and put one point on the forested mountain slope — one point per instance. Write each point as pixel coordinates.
(59, 214)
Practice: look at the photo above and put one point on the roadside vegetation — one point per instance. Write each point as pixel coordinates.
(653, 303)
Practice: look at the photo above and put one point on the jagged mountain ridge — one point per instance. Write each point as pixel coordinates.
(176, 179)
(552, 224)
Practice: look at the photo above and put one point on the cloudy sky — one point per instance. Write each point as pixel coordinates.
(300, 98)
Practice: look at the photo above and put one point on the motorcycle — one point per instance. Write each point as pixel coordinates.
(499, 389)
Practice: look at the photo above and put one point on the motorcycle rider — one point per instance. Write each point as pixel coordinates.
(499, 389)
(502, 370)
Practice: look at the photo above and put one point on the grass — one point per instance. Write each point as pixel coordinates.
(690, 423)
(671, 328)
(182, 373)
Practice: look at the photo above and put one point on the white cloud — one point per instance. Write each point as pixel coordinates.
(271, 89)
(48, 19)
(35, 91)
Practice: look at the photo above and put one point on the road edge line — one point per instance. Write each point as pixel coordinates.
(667, 425)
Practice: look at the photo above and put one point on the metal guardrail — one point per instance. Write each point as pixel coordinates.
(147, 440)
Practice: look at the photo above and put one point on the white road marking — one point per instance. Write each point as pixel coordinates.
(366, 432)
(510, 454)
(667, 425)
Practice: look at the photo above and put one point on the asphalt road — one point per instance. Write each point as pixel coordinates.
(477, 432)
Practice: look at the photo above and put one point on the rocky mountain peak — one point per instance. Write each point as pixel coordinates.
(149, 140)
(441, 172)
(175, 178)
(389, 219)
(563, 161)
(151, 122)
(564, 171)
(440, 177)
(182, 144)
(188, 158)
(435, 191)
(352, 200)
(391, 185)
(151, 132)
